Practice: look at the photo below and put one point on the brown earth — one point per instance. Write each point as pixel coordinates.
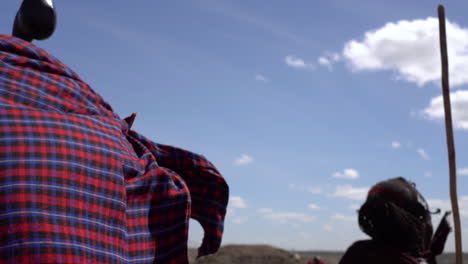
(258, 254)
(263, 254)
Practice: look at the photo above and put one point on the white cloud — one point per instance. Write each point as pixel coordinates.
(445, 205)
(328, 60)
(313, 206)
(423, 154)
(439, 203)
(261, 78)
(295, 62)
(354, 206)
(346, 218)
(350, 192)
(463, 206)
(244, 159)
(324, 61)
(335, 57)
(285, 217)
(328, 228)
(396, 144)
(459, 103)
(463, 171)
(411, 48)
(238, 220)
(314, 190)
(230, 212)
(428, 174)
(350, 174)
(237, 202)
(232, 215)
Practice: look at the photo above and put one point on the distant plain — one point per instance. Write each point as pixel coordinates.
(264, 254)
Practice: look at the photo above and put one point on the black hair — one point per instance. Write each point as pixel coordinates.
(396, 214)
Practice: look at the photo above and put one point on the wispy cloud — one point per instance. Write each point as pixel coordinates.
(422, 153)
(350, 192)
(459, 99)
(324, 61)
(328, 60)
(233, 216)
(313, 206)
(411, 48)
(238, 220)
(463, 171)
(346, 218)
(314, 190)
(237, 202)
(327, 227)
(244, 159)
(446, 205)
(439, 203)
(285, 217)
(295, 62)
(396, 145)
(234, 12)
(261, 78)
(350, 174)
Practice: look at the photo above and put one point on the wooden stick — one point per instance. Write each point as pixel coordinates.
(449, 133)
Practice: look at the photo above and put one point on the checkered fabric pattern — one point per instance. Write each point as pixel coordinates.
(77, 185)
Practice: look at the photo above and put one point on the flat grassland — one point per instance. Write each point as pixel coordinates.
(264, 254)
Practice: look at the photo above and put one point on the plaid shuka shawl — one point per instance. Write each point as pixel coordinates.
(77, 185)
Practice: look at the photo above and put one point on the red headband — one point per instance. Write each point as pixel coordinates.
(390, 195)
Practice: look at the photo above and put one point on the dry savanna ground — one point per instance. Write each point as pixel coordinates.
(262, 254)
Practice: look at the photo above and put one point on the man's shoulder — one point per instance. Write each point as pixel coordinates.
(372, 251)
(364, 243)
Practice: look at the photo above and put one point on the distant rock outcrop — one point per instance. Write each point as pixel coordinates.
(237, 254)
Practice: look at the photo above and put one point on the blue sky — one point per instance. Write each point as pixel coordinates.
(302, 105)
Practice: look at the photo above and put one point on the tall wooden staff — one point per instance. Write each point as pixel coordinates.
(449, 132)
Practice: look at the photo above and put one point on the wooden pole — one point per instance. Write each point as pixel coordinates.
(449, 133)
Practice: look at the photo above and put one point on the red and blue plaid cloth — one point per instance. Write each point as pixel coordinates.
(77, 185)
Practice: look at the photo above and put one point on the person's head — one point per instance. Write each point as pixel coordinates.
(316, 260)
(395, 213)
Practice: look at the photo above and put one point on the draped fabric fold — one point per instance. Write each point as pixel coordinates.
(77, 185)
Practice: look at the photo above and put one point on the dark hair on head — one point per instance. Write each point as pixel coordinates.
(396, 214)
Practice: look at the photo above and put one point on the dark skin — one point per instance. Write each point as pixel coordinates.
(398, 219)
